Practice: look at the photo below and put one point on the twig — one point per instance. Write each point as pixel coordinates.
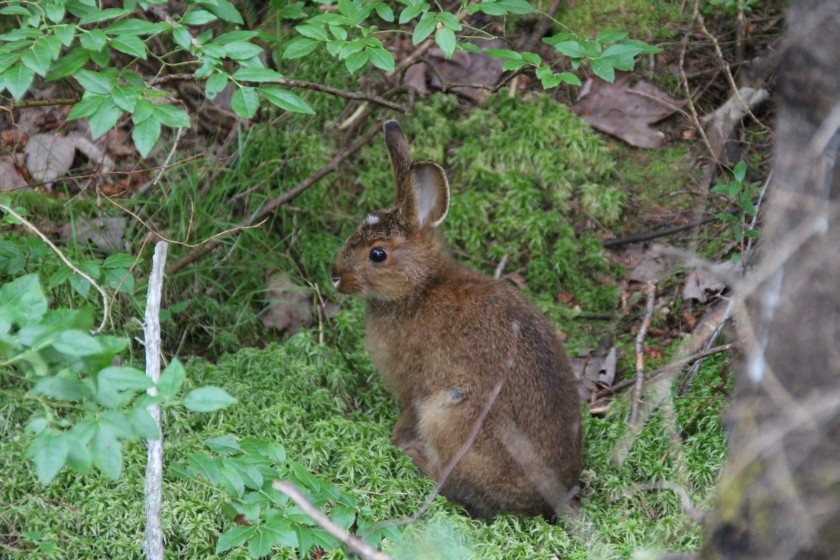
(41, 103)
(168, 158)
(154, 464)
(353, 544)
(105, 305)
(201, 250)
(323, 88)
(676, 365)
(687, 93)
(542, 27)
(650, 291)
(501, 267)
(635, 238)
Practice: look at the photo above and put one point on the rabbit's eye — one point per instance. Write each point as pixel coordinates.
(378, 254)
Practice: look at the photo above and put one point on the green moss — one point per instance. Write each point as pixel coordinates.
(641, 18)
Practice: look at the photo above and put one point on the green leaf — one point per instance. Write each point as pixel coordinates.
(87, 106)
(208, 399)
(105, 118)
(241, 50)
(343, 516)
(18, 78)
(68, 64)
(503, 54)
(77, 343)
(245, 102)
(449, 20)
(181, 36)
(120, 279)
(124, 377)
(603, 69)
(569, 78)
(410, 12)
(226, 11)
(15, 11)
(384, 11)
(134, 26)
(95, 82)
(235, 536)
(214, 84)
(37, 425)
(171, 380)
(298, 47)
(80, 285)
(356, 60)
(286, 100)
(23, 300)
(205, 466)
(125, 98)
(260, 544)
(572, 49)
(727, 217)
(223, 445)
(93, 40)
(106, 451)
(130, 45)
(49, 452)
(198, 17)
(382, 59)
(532, 58)
(60, 388)
(445, 39)
(257, 75)
(103, 15)
(143, 424)
(424, 27)
(313, 32)
(172, 116)
(610, 36)
(38, 58)
(146, 134)
(740, 171)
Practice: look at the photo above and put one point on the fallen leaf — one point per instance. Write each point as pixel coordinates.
(290, 305)
(655, 264)
(462, 68)
(594, 373)
(13, 138)
(653, 353)
(626, 111)
(701, 281)
(10, 179)
(106, 234)
(690, 319)
(49, 156)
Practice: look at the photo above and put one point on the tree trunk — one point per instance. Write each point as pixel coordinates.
(780, 492)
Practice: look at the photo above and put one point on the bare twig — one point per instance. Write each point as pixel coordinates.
(274, 203)
(501, 267)
(106, 309)
(168, 157)
(323, 88)
(650, 291)
(687, 93)
(354, 545)
(41, 103)
(154, 464)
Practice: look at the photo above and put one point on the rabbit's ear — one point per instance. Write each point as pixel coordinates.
(400, 162)
(430, 193)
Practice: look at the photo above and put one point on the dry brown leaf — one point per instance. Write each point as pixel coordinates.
(290, 305)
(48, 156)
(626, 111)
(655, 264)
(702, 281)
(462, 68)
(594, 373)
(10, 179)
(107, 234)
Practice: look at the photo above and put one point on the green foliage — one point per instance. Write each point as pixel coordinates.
(742, 194)
(246, 469)
(89, 407)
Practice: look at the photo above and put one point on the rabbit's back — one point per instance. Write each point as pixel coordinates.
(442, 354)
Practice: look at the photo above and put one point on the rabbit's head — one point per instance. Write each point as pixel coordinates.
(395, 252)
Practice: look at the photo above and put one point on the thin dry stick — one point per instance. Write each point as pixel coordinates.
(106, 310)
(354, 545)
(676, 365)
(276, 202)
(168, 158)
(355, 95)
(154, 463)
(650, 291)
(687, 93)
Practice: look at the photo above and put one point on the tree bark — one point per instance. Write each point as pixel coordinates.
(780, 493)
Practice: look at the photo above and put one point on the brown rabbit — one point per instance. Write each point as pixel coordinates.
(446, 339)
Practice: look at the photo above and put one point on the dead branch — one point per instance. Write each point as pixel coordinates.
(272, 205)
(106, 309)
(41, 103)
(542, 27)
(154, 463)
(354, 545)
(687, 92)
(650, 291)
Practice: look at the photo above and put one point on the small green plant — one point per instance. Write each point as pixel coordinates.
(89, 405)
(742, 194)
(246, 468)
(733, 6)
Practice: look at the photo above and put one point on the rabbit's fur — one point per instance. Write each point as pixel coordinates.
(444, 336)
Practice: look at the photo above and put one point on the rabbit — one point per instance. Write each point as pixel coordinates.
(451, 342)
